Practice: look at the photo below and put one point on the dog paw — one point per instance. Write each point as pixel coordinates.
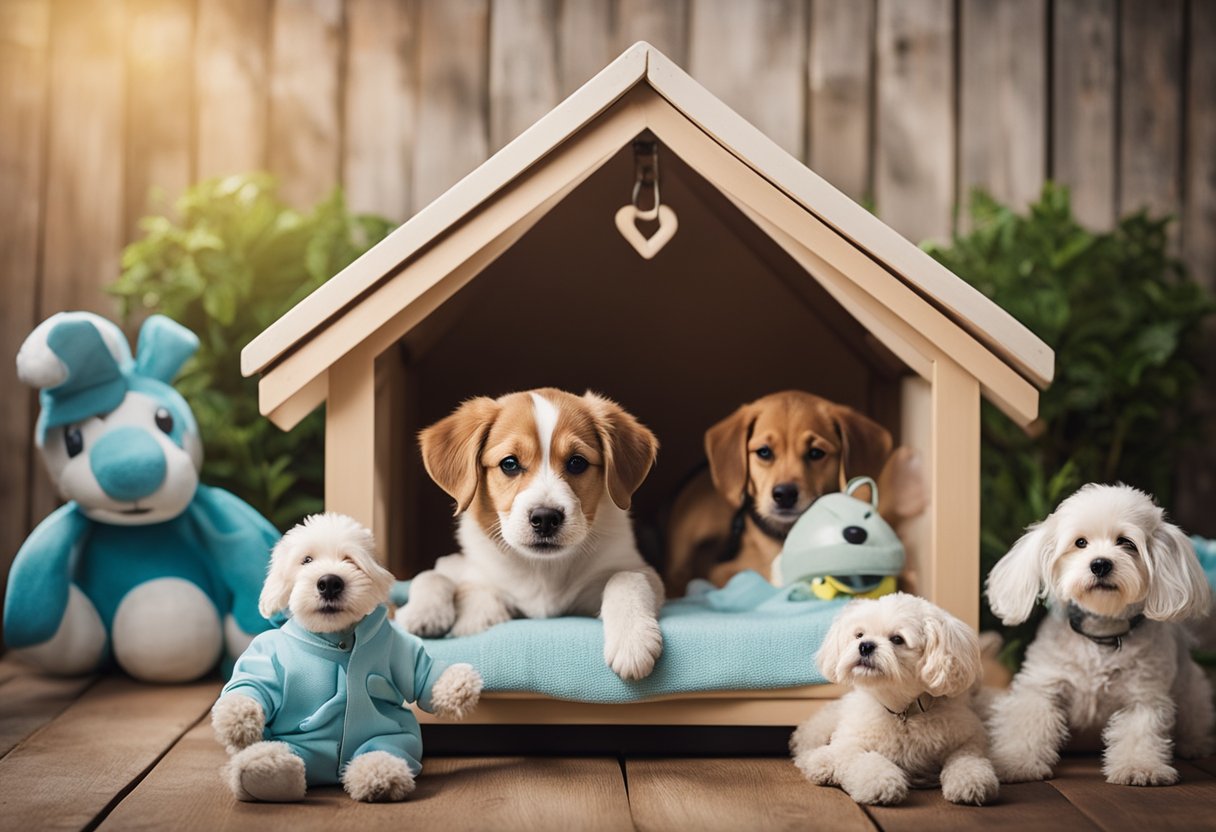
(427, 618)
(1021, 771)
(238, 721)
(476, 620)
(456, 691)
(817, 765)
(977, 785)
(267, 772)
(377, 777)
(884, 789)
(632, 653)
(1142, 775)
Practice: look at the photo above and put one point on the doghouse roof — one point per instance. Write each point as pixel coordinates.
(907, 300)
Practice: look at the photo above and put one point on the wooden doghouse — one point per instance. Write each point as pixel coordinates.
(518, 277)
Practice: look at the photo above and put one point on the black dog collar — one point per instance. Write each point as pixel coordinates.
(1077, 618)
(902, 716)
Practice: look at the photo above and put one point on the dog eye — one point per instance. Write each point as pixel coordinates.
(1126, 543)
(510, 466)
(897, 639)
(73, 441)
(576, 464)
(860, 634)
(816, 453)
(764, 452)
(307, 559)
(1081, 543)
(164, 420)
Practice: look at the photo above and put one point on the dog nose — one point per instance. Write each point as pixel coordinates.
(866, 648)
(546, 521)
(785, 495)
(855, 535)
(1101, 567)
(330, 586)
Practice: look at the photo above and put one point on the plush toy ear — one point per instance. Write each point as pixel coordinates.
(629, 448)
(950, 663)
(726, 449)
(864, 444)
(43, 365)
(451, 448)
(164, 346)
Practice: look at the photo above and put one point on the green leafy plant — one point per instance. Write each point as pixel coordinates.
(229, 262)
(1124, 320)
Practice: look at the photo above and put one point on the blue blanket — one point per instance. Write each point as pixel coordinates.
(747, 635)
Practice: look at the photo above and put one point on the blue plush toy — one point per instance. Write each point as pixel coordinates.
(143, 565)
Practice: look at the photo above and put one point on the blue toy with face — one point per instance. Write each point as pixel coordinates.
(143, 566)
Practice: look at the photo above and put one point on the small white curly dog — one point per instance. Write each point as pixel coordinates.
(323, 699)
(1111, 655)
(909, 719)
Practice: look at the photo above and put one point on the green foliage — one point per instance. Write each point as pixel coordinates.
(1124, 320)
(231, 261)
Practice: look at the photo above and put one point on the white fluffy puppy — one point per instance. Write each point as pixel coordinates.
(323, 699)
(1110, 656)
(909, 719)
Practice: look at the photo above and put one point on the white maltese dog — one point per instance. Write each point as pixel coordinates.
(323, 699)
(908, 720)
(1110, 656)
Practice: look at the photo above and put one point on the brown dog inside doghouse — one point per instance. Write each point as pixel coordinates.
(768, 461)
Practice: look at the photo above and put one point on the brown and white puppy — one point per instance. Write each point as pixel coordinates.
(543, 481)
(779, 454)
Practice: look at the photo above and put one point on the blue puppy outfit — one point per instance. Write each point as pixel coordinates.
(333, 696)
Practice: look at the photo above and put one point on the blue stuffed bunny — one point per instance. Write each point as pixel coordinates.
(143, 566)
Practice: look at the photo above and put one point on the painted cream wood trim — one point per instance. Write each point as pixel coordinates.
(350, 437)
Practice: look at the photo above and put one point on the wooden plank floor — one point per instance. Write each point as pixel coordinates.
(116, 755)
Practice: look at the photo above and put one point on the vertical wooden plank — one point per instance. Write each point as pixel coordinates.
(953, 580)
(753, 57)
(380, 112)
(24, 47)
(230, 86)
(305, 122)
(584, 42)
(83, 221)
(1083, 130)
(523, 66)
(663, 23)
(453, 127)
(1002, 100)
(160, 88)
(914, 166)
(841, 55)
(1150, 113)
(350, 437)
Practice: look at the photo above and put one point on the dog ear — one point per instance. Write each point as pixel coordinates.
(726, 448)
(1016, 582)
(451, 448)
(629, 448)
(363, 550)
(950, 662)
(828, 656)
(1178, 586)
(864, 444)
(276, 591)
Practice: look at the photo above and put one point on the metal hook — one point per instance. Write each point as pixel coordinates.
(646, 171)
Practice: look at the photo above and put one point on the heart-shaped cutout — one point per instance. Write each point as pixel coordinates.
(648, 247)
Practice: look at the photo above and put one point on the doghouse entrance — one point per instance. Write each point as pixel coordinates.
(720, 316)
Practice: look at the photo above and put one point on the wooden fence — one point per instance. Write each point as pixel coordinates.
(905, 103)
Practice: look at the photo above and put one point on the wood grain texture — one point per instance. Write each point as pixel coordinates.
(1020, 806)
(1199, 209)
(584, 42)
(731, 794)
(160, 99)
(523, 66)
(1084, 132)
(1003, 104)
(65, 775)
(662, 23)
(1187, 805)
(29, 700)
(380, 105)
(232, 42)
(739, 48)
(453, 127)
(914, 168)
(841, 55)
(305, 122)
(453, 794)
(1150, 77)
(24, 56)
